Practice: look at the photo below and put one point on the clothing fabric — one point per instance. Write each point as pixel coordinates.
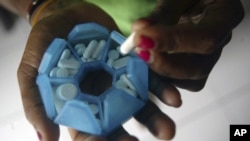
(125, 12)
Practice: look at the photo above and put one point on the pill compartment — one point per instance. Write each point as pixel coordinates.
(89, 41)
(114, 58)
(59, 60)
(63, 90)
(66, 99)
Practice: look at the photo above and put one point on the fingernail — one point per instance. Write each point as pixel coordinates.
(39, 135)
(146, 43)
(144, 55)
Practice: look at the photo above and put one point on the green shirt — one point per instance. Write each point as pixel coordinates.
(125, 12)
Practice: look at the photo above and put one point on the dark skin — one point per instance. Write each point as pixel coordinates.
(194, 36)
(41, 36)
(187, 67)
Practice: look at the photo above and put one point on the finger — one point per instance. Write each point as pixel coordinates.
(179, 39)
(191, 85)
(183, 66)
(206, 34)
(33, 107)
(79, 136)
(165, 91)
(120, 134)
(159, 124)
(143, 22)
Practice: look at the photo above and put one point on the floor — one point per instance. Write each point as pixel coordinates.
(205, 115)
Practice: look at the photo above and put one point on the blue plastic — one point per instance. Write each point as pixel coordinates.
(114, 105)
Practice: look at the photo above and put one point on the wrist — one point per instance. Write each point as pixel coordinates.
(40, 9)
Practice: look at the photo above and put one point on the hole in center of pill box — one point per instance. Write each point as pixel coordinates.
(96, 82)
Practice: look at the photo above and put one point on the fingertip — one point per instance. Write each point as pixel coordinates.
(47, 132)
(172, 97)
(162, 126)
(128, 138)
(142, 22)
(95, 138)
(46, 129)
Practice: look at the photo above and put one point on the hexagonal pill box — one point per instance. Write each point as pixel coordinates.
(86, 84)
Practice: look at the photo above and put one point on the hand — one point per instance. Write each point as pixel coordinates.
(57, 22)
(182, 41)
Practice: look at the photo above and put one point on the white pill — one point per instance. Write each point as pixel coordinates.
(84, 59)
(72, 72)
(59, 103)
(71, 63)
(126, 80)
(62, 72)
(66, 91)
(85, 102)
(128, 45)
(53, 72)
(120, 84)
(65, 54)
(118, 48)
(79, 45)
(80, 48)
(80, 51)
(97, 53)
(122, 62)
(113, 54)
(94, 108)
(90, 49)
(129, 91)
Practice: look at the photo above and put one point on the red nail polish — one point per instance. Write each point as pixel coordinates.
(39, 136)
(146, 43)
(144, 55)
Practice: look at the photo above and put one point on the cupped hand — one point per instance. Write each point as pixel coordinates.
(182, 41)
(56, 21)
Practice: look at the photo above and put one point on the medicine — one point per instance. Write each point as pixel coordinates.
(53, 72)
(79, 45)
(66, 91)
(112, 56)
(120, 84)
(72, 72)
(122, 62)
(71, 63)
(128, 45)
(90, 49)
(62, 72)
(131, 92)
(97, 53)
(80, 51)
(80, 48)
(65, 54)
(125, 79)
(94, 108)
(125, 84)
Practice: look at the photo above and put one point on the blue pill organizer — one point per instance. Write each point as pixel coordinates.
(64, 75)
